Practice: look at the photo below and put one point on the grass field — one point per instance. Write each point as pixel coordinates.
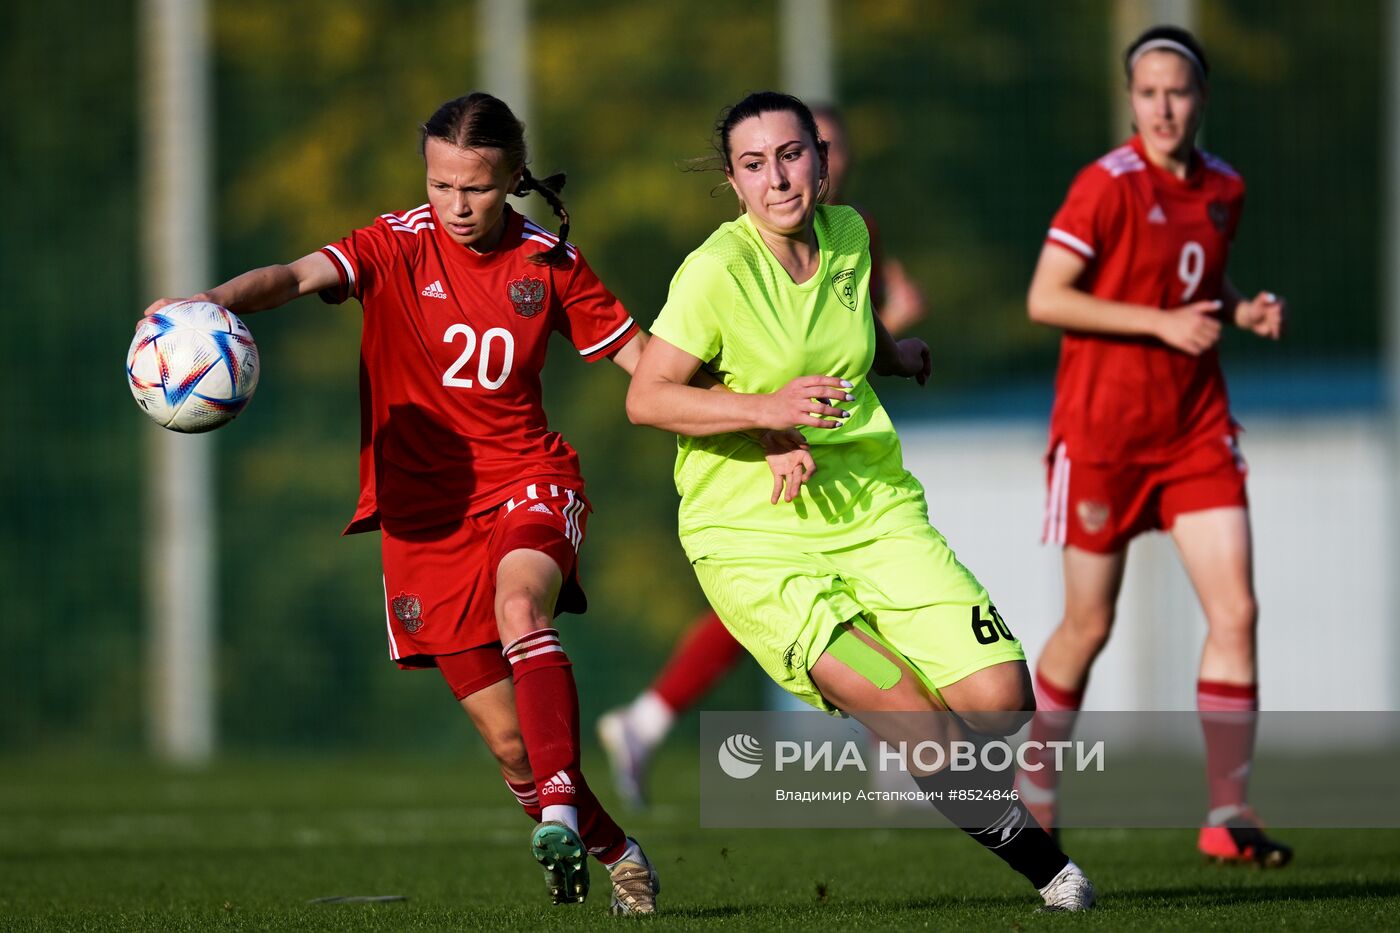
(246, 845)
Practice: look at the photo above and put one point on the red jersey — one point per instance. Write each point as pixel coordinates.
(450, 358)
(1152, 239)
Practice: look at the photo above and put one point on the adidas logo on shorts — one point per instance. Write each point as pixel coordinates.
(434, 290)
(540, 507)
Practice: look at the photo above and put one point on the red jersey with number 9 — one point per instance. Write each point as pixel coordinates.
(1152, 239)
(452, 419)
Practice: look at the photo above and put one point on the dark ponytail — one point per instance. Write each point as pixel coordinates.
(549, 189)
(482, 121)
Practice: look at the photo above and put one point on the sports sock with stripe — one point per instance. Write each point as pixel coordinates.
(977, 801)
(527, 797)
(546, 702)
(1229, 715)
(1056, 711)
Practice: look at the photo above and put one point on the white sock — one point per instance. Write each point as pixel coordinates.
(1033, 793)
(560, 813)
(1222, 815)
(650, 718)
(633, 853)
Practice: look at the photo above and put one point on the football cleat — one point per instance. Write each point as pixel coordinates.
(1069, 890)
(627, 757)
(1240, 840)
(561, 854)
(634, 882)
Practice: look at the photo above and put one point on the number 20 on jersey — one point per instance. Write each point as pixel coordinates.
(497, 353)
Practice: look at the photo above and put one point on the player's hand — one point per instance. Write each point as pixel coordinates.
(780, 442)
(160, 303)
(791, 468)
(1192, 328)
(1264, 314)
(805, 401)
(915, 361)
(904, 303)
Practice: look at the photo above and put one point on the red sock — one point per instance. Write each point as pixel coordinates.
(1056, 711)
(546, 700)
(705, 654)
(1229, 713)
(527, 797)
(601, 834)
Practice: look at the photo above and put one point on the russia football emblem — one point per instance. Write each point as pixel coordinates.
(408, 609)
(1219, 214)
(1093, 516)
(527, 294)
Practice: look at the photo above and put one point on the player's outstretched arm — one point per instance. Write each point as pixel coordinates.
(268, 287)
(661, 396)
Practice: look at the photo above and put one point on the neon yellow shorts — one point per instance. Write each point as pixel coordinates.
(907, 586)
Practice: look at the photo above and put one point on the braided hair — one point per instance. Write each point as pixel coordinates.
(483, 121)
(548, 189)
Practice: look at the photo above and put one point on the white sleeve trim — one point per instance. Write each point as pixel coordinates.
(1073, 242)
(608, 339)
(345, 266)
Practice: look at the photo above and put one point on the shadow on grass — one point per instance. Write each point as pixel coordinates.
(1224, 897)
(1135, 897)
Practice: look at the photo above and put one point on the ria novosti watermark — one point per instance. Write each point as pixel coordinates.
(741, 756)
(807, 769)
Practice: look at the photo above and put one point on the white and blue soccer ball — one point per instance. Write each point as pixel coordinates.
(192, 366)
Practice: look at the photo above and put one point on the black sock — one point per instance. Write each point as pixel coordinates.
(977, 802)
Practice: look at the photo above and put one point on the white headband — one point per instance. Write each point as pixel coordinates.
(1171, 45)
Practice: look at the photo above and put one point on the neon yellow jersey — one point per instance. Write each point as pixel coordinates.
(733, 306)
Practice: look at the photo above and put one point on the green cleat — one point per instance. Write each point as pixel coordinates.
(560, 851)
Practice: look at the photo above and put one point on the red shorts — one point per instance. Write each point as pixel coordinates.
(1100, 507)
(440, 583)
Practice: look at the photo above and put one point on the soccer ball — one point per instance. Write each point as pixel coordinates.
(192, 366)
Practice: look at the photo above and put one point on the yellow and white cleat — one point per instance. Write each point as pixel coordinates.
(634, 882)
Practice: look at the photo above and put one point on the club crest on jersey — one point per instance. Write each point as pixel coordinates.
(844, 284)
(1093, 516)
(1219, 214)
(408, 609)
(790, 656)
(527, 294)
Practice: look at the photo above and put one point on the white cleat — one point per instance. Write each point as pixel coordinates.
(634, 882)
(1069, 890)
(627, 757)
